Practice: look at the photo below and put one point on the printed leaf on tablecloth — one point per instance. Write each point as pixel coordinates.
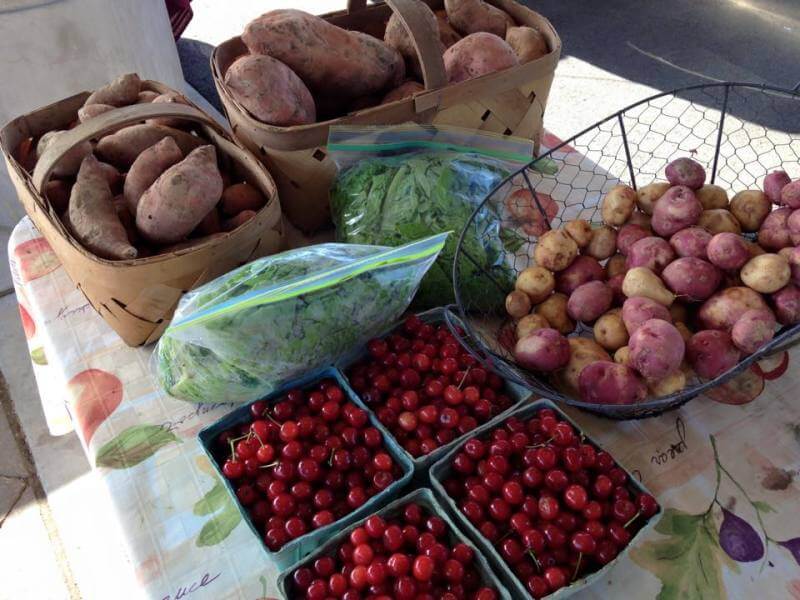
(212, 501)
(35, 258)
(220, 526)
(686, 561)
(763, 507)
(97, 394)
(134, 445)
(38, 356)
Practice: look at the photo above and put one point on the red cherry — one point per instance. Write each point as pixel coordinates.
(533, 539)
(513, 493)
(399, 564)
(647, 505)
(618, 533)
(537, 586)
(548, 508)
(233, 469)
(576, 497)
(603, 486)
(363, 554)
(555, 577)
(623, 510)
(583, 542)
(423, 568)
(358, 577)
(545, 458)
(556, 480)
(593, 511)
(462, 553)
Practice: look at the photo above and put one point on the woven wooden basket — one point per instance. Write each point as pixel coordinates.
(137, 297)
(511, 101)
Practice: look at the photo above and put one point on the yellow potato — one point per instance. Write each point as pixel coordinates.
(685, 332)
(583, 352)
(554, 309)
(518, 304)
(750, 208)
(618, 205)
(678, 313)
(766, 273)
(610, 331)
(623, 356)
(579, 230)
(640, 218)
(719, 220)
(641, 281)
(555, 250)
(712, 196)
(530, 323)
(537, 282)
(603, 243)
(615, 266)
(671, 384)
(755, 249)
(647, 195)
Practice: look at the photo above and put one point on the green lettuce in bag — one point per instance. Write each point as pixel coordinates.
(401, 183)
(239, 336)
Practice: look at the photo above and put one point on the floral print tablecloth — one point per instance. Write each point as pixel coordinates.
(724, 466)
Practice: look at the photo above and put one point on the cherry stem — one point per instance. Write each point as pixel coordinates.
(269, 416)
(543, 444)
(577, 566)
(505, 535)
(632, 519)
(532, 554)
(233, 452)
(464, 378)
(267, 466)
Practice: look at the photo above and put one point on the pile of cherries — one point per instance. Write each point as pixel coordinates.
(304, 461)
(425, 388)
(555, 507)
(406, 557)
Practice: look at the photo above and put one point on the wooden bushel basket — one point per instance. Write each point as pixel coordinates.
(510, 102)
(138, 297)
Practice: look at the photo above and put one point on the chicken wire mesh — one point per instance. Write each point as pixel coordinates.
(739, 132)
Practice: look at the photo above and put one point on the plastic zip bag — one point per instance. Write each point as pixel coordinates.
(401, 183)
(239, 336)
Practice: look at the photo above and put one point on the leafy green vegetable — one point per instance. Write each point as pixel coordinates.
(392, 200)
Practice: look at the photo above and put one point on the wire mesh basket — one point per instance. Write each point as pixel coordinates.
(739, 132)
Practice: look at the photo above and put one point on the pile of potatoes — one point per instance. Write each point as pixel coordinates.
(144, 189)
(300, 68)
(668, 283)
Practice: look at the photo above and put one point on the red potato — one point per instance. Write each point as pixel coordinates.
(93, 217)
(542, 350)
(528, 43)
(472, 16)
(628, 235)
(239, 197)
(677, 209)
(603, 243)
(790, 194)
(685, 172)
(589, 301)
(583, 352)
(92, 110)
(711, 352)
(774, 232)
(787, 305)
(692, 241)
(237, 221)
(270, 91)
(652, 252)
(555, 250)
(657, 349)
(774, 183)
(750, 208)
(618, 204)
(396, 36)
(122, 91)
(638, 310)
(447, 35)
(692, 279)
(728, 251)
(122, 148)
(148, 167)
(712, 197)
(606, 382)
(723, 309)
(753, 329)
(57, 192)
(615, 284)
(404, 90)
(792, 255)
(793, 223)
(71, 161)
(330, 60)
(616, 265)
(648, 195)
(582, 270)
(180, 198)
(476, 55)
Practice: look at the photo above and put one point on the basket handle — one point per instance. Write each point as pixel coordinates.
(107, 121)
(425, 39)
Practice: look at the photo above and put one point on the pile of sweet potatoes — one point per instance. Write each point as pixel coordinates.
(300, 68)
(145, 188)
(668, 284)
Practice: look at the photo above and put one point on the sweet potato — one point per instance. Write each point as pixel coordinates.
(692, 241)
(330, 60)
(179, 199)
(628, 235)
(638, 310)
(146, 97)
(792, 255)
(712, 196)
(606, 382)
(589, 301)
(750, 208)
(766, 273)
(579, 230)
(113, 176)
(719, 220)
(793, 223)
(725, 307)
(641, 281)
(618, 204)
(753, 329)
(397, 37)
(185, 245)
(127, 220)
(774, 183)
(528, 43)
(122, 91)
(786, 302)
(530, 323)
(554, 309)
(677, 209)
(692, 279)
(666, 386)
(92, 216)
(148, 167)
(92, 110)
(404, 90)
(583, 352)
(711, 352)
(171, 98)
(476, 55)
(652, 252)
(542, 350)
(472, 16)
(582, 270)
(555, 250)
(57, 192)
(610, 331)
(616, 265)
(647, 195)
(774, 232)
(518, 304)
(210, 224)
(790, 194)
(603, 243)
(537, 282)
(71, 161)
(270, 91)
(237, 221)
(123, 147)
(447, 35)
(239, 197)
(728, 251)
(657, 349)
(686, 172)
(615, 285)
